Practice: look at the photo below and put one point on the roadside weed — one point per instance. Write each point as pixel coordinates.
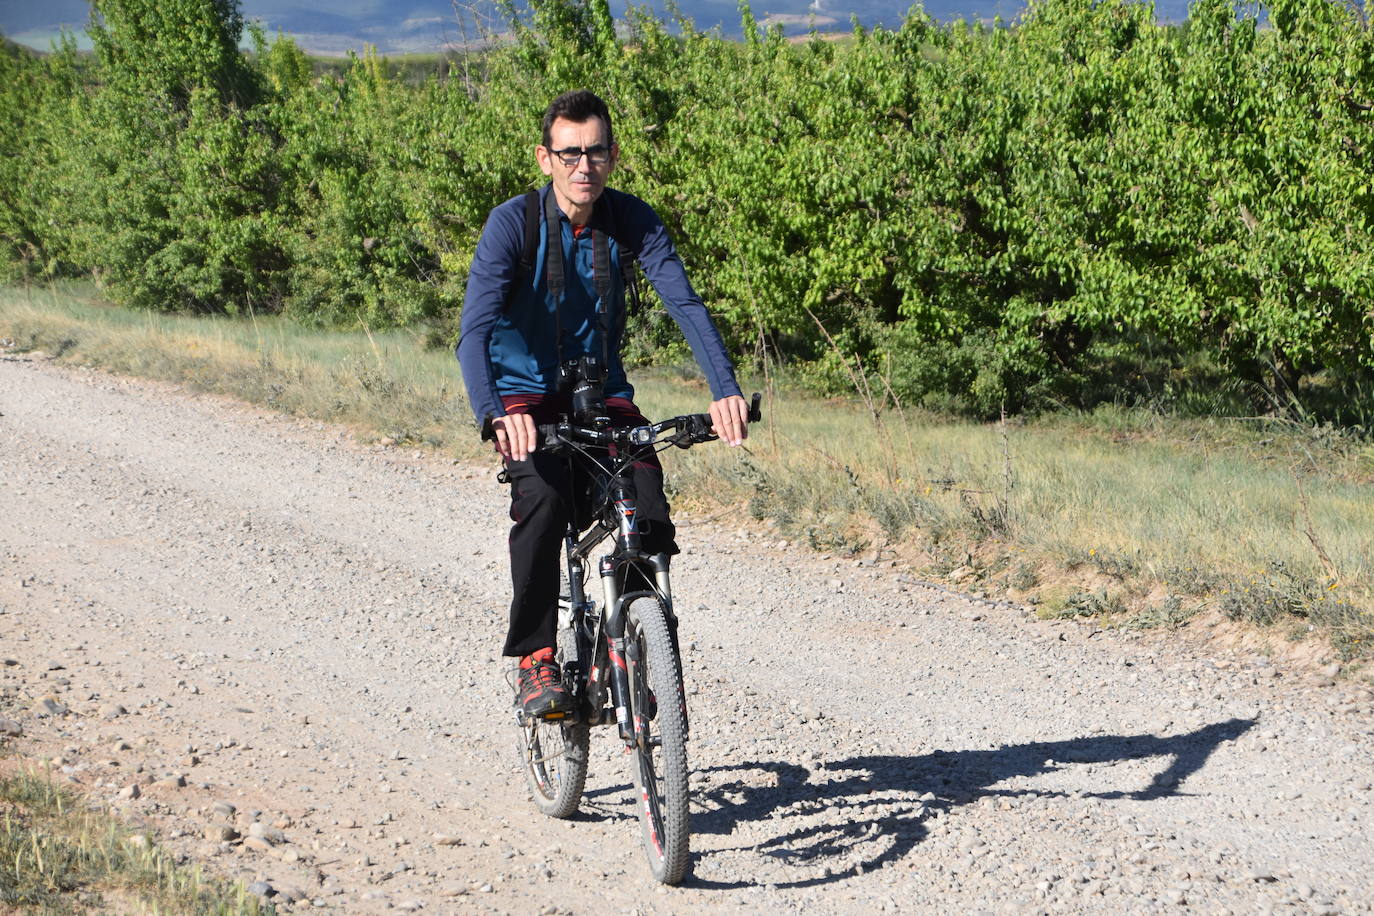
(58, 856)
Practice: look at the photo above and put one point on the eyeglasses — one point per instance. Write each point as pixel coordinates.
(596, 155)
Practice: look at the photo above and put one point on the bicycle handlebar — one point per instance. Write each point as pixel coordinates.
(686, 430)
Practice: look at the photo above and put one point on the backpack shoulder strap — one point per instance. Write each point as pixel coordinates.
(608, 210)
(530, 250)
(527, 254)
(628, 258)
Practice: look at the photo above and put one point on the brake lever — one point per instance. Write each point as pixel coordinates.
(696, 430)
(549, 440)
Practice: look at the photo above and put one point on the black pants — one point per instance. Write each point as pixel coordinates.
(549, 491)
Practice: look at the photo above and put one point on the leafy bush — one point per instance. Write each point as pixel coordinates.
(1085, 207)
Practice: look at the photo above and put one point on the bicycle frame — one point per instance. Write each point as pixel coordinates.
(593, 639)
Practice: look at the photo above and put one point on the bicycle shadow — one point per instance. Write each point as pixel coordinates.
(885, 800)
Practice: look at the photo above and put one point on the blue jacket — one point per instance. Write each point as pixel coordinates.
(512, 350)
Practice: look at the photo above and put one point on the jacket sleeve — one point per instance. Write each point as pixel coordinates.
(494, 268)
(659, 259)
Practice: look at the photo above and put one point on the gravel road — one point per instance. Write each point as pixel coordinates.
(276, 647)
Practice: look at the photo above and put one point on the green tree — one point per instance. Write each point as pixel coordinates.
(172, 47)
(172, 177)
(35, 95)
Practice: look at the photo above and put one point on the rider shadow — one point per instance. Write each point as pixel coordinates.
(884, 800)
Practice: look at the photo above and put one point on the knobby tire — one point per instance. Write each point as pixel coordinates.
(660, 766)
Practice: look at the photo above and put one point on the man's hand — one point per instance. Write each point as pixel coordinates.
(730, 419)
(516, 436)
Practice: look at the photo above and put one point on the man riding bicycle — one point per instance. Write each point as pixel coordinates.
(529, 314)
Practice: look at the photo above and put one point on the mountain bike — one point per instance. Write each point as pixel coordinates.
(619, 659)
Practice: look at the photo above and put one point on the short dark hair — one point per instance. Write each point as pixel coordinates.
(578, 105)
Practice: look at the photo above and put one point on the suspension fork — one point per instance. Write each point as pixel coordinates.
(616, 603)
(629, 547)
(615, 647)
(659, 564)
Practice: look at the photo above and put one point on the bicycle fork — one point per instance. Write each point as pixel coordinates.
(633, 728)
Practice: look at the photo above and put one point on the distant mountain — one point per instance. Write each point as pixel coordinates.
(338, 26)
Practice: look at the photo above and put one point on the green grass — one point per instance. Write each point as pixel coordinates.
(57, 856)
(1125, 515)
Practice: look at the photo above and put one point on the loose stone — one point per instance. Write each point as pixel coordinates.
(263, 831)
(49, 706)
(262, 889)
(221, 833)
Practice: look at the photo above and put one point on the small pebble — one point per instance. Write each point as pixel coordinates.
(49, 706)
(257, 844)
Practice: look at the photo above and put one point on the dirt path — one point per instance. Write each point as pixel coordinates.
(305, 629)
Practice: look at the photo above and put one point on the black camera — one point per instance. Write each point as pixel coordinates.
(583, 379)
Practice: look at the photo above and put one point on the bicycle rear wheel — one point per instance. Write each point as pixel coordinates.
(553, 757)
(659, 709)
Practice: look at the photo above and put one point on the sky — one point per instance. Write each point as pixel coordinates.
(400, 26)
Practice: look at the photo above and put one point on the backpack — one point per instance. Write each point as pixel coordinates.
(530, 251)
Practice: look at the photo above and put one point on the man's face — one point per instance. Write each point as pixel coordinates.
(579, 185)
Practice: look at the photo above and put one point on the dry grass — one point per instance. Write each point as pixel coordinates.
(1138, 519)
(59, 856)
(387, 384)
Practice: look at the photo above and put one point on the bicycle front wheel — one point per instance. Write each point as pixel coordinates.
(659, 709)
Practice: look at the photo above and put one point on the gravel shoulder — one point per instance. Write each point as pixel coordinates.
(276, 647)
